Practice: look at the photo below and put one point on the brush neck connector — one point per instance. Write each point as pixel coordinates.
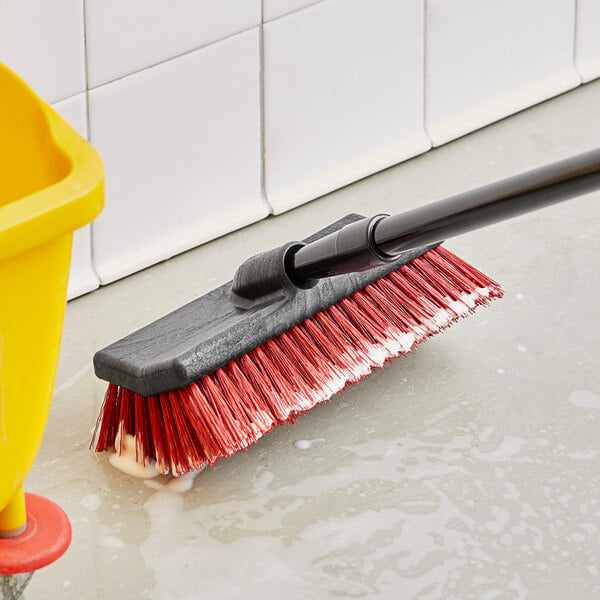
(352, 249)
(277, 274)
(265, 278)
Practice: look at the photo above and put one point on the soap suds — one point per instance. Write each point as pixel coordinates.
(126, 461)
(501, 371)
(263, 481)
(584, 399)
(91, 502)
(307, 444)
(111, 541)
(176, 485)
(521, 348)
(581, 455)
(508, 447)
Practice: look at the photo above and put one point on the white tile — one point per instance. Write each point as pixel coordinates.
(82, 278)
(487, 59)
(124, 37)
(587, 52)
(181, 145)
(74, 111)
(343, 95)
(277, 8)
(43, 42)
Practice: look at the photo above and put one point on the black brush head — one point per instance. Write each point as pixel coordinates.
(211, 331)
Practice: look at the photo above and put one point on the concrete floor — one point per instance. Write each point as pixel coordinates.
(467, 470)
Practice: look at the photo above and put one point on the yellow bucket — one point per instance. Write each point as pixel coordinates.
(51, 183)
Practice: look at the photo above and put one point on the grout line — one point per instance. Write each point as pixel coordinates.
(86, 70)
(574, 57)
(172, 58)
(89, 135)
(63, 99)
(425, 72)
(261, 88)
(293, 12)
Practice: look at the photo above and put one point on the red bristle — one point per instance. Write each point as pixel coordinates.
(290, 375)
(220, 442)
(482, 280)
(261, 383)
(375, 294)
(427, 304)
(206, 424)
(288, 400)
(331, 342)
(126, 416)
(142, 437)
(189, 455)
(433, 275)
(181, 453)
(425, 289)
(442, 287)
(317, 375)
(260, 418)
(231, 408)
(171, 433)
(157, 430)
(364, 316)
(330, 371)
(420, 309)
(395, 333)
(402, 325)
(336, 323)
(397, 299)
(225, 411)
(108, 421)
(448, 270)
(241, 411)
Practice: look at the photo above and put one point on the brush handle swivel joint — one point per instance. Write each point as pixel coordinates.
(277, 274)
(352, 249)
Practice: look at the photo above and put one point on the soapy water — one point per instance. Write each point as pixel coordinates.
(584, 399)
(91, 502)
(411, 517)
(307, 444)
(176, 485)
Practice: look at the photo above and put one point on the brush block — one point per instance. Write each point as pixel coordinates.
(209, 332)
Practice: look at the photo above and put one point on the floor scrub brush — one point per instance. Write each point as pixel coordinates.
(299, 323)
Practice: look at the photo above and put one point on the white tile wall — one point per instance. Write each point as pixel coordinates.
(82, 278)
(175, 98)
(181, 145)
(487, 59)
(126, 36)
(42, 41)
(277, 8)
(587, 54)
(343, 88)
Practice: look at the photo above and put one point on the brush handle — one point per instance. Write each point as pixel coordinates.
(380, 239)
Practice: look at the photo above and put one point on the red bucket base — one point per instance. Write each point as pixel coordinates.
(45, 540)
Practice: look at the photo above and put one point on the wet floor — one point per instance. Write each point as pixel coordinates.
(468, 469)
